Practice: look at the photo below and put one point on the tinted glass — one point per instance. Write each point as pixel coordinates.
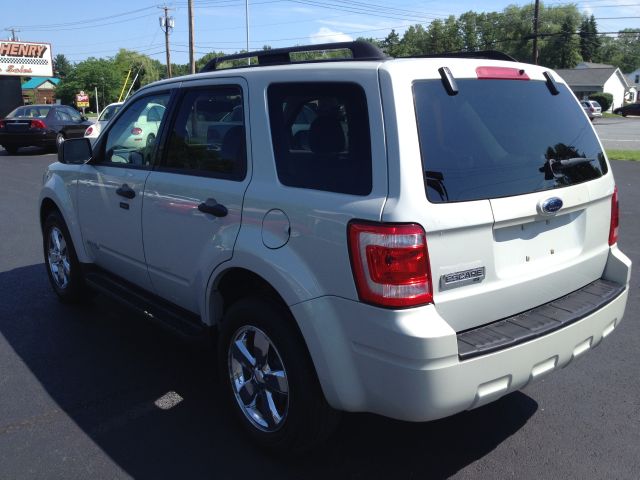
(62, 116)
(75, 115)
(30, 111)
(498, 138)
(108, 113)
(131, 139)
(320, 134)
(208, 137)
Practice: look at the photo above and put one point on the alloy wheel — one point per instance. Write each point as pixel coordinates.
(58, 258)
(258, 378)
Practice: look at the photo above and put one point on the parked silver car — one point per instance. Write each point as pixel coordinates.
(592, 109)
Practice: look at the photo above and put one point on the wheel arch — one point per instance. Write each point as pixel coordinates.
(56, 197)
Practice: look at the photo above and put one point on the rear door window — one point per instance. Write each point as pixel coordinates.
(499, 138)
(320, 134)
(208, 137)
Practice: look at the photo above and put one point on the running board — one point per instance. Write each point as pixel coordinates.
(175, 318)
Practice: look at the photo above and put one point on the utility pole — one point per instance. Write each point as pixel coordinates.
(14, 37)
(167, 23)
(192, 60)
(534, 56)
(246, 21)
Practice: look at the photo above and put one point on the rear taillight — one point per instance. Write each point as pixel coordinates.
(88, 131)
(591, 109)
(3, 124)
(136, 131)
(615, 218)
(38, 124)
(390, 264)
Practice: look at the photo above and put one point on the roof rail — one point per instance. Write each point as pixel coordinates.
(281, 56)
(486, 54)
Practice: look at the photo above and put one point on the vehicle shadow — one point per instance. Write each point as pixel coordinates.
(106, 369)
(26, 151)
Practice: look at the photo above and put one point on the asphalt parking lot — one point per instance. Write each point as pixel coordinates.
(81, 390)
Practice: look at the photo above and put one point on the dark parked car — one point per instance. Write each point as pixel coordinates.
(41, 126)
(631, 109)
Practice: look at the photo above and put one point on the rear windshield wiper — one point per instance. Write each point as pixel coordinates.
(552, 164)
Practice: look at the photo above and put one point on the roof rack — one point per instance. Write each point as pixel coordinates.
(281, 56)
(485, 54)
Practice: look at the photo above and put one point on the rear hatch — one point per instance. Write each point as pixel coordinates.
(518, 199)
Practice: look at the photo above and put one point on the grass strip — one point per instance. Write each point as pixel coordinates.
(632, 155)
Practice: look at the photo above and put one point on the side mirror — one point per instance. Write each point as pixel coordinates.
(75, 151)
(84, 118)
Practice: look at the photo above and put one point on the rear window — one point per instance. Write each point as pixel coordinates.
(30, 111)
(499, 138)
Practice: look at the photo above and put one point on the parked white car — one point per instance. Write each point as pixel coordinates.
(415, 246)
(105, 116)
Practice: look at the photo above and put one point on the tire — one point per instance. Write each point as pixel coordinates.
(61, 262)
(11, 150)
(285, 411)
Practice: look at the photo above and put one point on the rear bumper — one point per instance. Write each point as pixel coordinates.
(28, 139)
(405, 364)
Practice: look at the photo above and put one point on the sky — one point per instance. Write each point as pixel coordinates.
(82, 29)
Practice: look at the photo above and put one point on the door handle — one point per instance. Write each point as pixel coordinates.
(126, 191)
(212, 207)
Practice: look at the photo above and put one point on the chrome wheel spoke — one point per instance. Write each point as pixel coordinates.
(268, 409)
(240, 354)
(56, 240)
(276, 381)
(261, 346)
(248, 392)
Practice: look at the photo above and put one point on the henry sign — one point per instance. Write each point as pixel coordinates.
(26, 59)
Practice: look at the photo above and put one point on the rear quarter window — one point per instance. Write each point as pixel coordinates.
(320, 135)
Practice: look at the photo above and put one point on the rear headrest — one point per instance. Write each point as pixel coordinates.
(234, 144)
(326, 135)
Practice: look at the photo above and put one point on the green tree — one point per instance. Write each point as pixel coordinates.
(589, 39)
(468, 24)
(61, 66)
(564, 48)
(87, 75)
(392, 45)
(149, 70)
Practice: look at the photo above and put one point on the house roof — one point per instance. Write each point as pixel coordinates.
(587, 77)
(35, 82)
(593, 65)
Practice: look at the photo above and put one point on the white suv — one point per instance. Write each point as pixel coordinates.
(410, 237)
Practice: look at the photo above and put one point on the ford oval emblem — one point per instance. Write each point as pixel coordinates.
(549, 206)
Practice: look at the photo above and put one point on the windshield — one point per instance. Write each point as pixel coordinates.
(30, 111)
(499, 138)
(108, 113)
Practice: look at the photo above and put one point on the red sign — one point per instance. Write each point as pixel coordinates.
(82, 100)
